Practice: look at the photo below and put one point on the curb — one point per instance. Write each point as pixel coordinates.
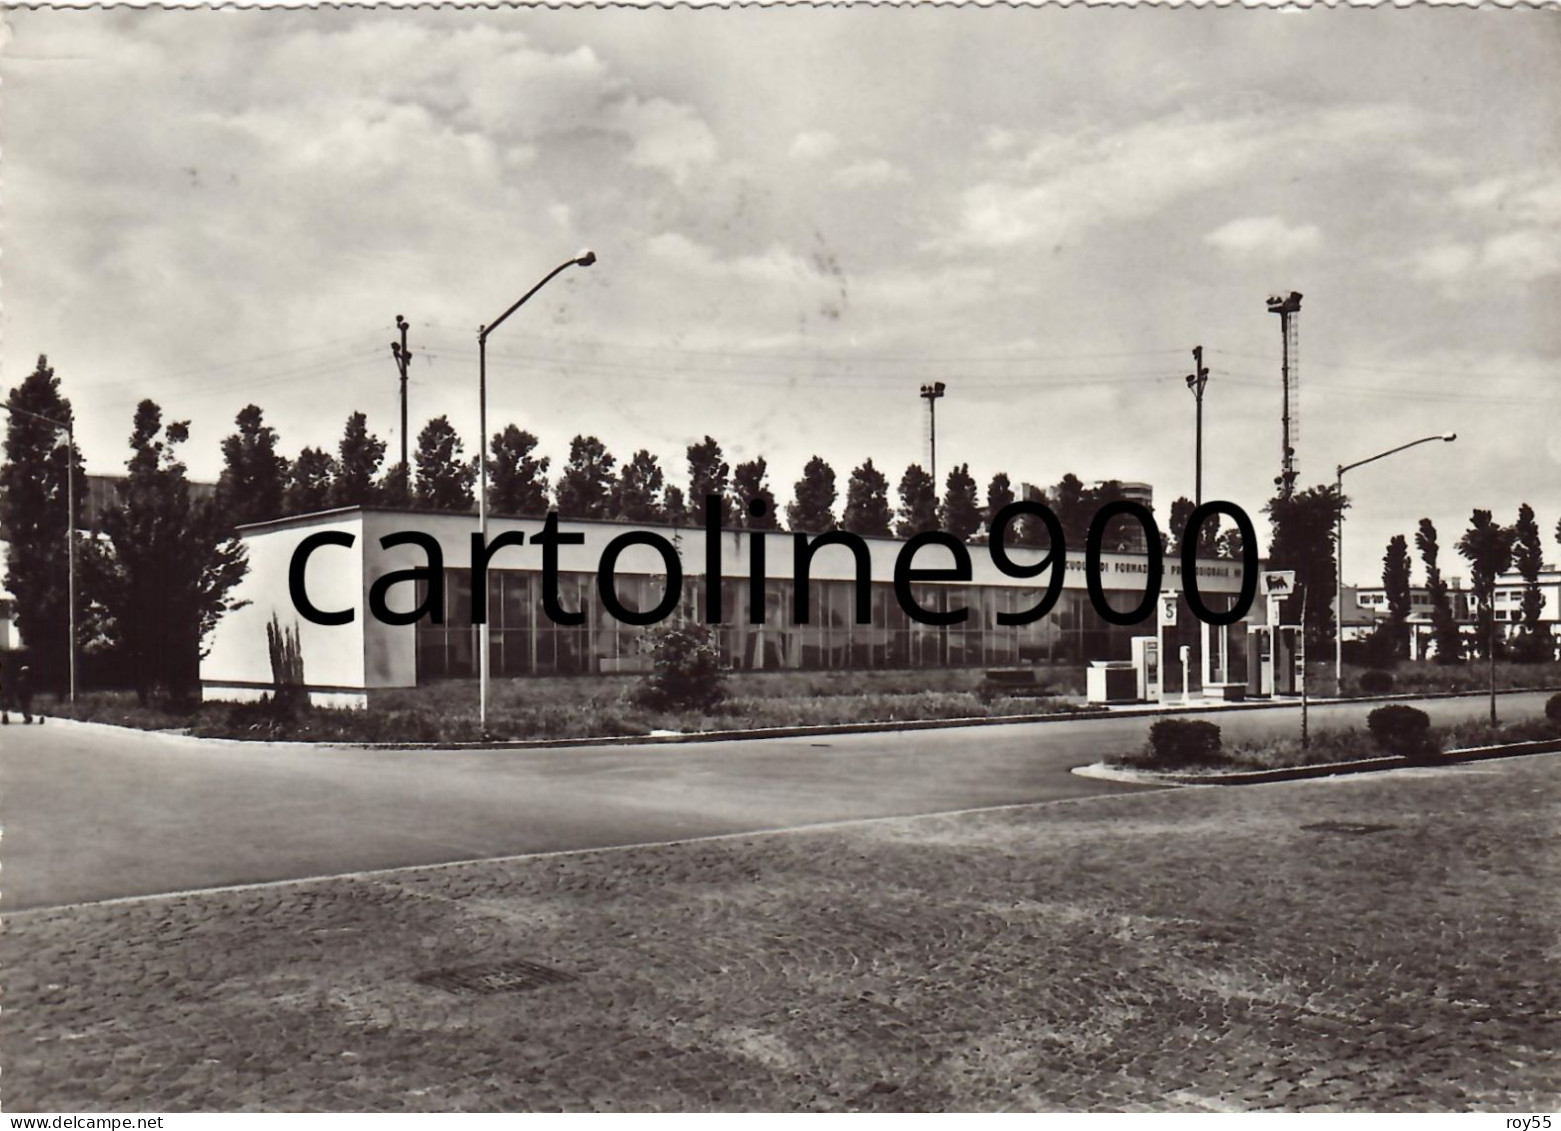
(1084, 713)
(1322, 770)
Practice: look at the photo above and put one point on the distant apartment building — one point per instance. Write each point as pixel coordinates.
(1367, 606)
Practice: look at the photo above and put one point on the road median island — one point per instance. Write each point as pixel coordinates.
(1216, 775)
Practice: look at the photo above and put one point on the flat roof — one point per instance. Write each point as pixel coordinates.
(471, 516)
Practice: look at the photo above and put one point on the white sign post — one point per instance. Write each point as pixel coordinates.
(1165, 610)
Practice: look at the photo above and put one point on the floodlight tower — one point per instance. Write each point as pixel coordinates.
(1288, 307)
(931, 393)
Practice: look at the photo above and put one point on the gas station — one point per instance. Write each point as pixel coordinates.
(1188, 660)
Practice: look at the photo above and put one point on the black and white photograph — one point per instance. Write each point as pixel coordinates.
(808, 559)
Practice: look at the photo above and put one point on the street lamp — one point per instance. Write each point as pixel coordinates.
(1338, 578)
(70, 527)
(584, 259)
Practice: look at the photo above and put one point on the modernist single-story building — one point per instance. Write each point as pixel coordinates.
(343, 662)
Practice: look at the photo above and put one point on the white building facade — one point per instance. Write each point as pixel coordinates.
(344, 662)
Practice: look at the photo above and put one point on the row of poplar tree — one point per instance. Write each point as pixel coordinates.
(1491, 550)
(1304, 528)
(259, 483)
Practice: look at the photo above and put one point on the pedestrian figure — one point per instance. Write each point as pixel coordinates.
(24, 693)
(16, 692)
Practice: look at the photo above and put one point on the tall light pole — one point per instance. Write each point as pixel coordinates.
(403, 356)
(930, 394)
(1288, 307)
(1338, 573)
(584, 259)
(1196, 380)
(70, 527)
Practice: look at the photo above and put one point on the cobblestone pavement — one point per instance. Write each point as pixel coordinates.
(1176, 950)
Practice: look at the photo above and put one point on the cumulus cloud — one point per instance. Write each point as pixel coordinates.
(814, 145)
(1523, 255)
(665, 136)
(1065, 183)
(996, 139)
(874, 171)
(1512, 232)
(1444, 262)
(1265, 237)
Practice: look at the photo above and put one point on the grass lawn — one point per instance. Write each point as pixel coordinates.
(600, 706)
(1428, 678)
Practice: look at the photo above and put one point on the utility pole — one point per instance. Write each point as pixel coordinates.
(931, 393)
(1196, 380)
(1288, 307)
(403, 356)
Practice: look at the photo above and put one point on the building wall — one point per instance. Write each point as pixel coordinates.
(238, 663)
(369, 654)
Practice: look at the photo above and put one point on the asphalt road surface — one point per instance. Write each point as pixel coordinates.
(93, 812)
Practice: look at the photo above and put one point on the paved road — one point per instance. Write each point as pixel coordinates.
(1379, 942)
(92, 813)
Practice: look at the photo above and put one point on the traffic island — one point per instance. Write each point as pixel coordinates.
(1214, 775)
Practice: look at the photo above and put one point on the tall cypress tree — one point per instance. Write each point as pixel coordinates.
(1302, 539)
(708, 475)
(918, 503)
(444, 478)
(309, 482)
(174, 563)
(359, 456)
(587, 485)
(867, 503)
(1444, 624)
(36, 522)
(1396, 587)
(1487, 546)
(638, 491)
(748, 483)
(1528, 556)
(254, 476)
(813, 508)
(961, 504)
(517, 478)
(999, 493)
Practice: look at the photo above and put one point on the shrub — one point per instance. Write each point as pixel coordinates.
(686, 672)
(1553, 708)
(1180, 741)
(288, 695)
(1376, 682)
(1402, 730)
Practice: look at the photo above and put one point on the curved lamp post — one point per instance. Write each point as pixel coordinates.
(584, 259)
(70, 528)
(1338, 577)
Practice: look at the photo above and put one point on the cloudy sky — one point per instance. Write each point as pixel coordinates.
(803, 215)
